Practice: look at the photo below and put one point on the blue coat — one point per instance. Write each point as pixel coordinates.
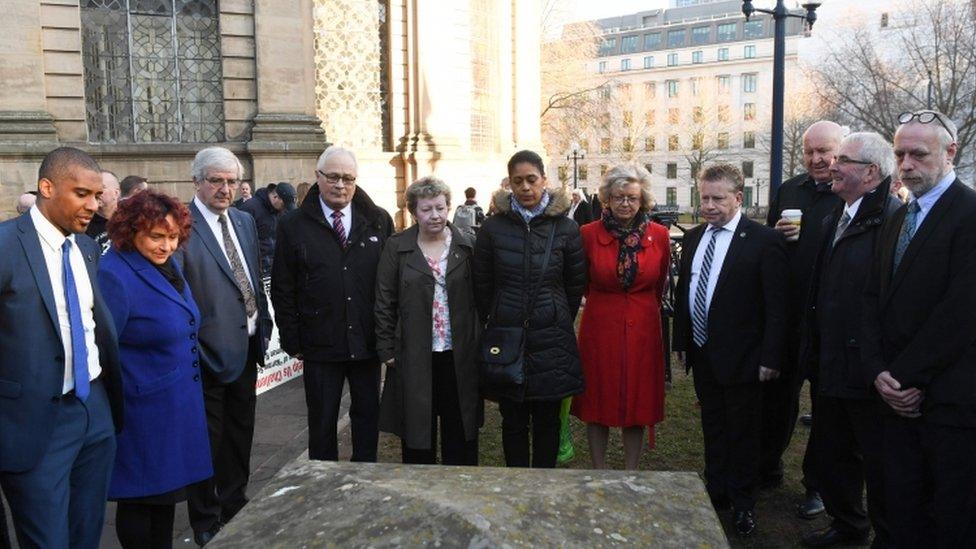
(164, 444)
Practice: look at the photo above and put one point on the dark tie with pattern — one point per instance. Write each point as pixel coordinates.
(339, 228)
(699, 316)
(237, 266)
(845, 220)
(907, 232)
(79, 350)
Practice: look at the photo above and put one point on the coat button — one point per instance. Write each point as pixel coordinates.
(194, 349)
(196, 363)
(196, 377)
(852, 341)
(348, 299)
(350, 326)
(193, 336)
(352, 356)
(193, 322)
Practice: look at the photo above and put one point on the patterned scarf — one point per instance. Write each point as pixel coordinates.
(630, 244)
(527, 214)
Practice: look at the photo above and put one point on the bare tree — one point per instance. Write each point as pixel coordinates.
(869, 77)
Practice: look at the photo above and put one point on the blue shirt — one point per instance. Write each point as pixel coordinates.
(927, 200)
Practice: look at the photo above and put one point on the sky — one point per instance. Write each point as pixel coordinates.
(596, 9)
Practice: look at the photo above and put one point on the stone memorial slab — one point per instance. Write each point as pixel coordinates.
(325, 504)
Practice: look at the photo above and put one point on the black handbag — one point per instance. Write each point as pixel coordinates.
(503, 347)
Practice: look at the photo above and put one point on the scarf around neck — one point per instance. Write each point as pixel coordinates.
(630, 244)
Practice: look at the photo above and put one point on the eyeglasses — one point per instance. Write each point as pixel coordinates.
(218, 182)
(620, 200)
(334, 178)
(844, 160)
(925, 117)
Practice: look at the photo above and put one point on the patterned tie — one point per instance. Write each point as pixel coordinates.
(907, 232)
(845, 220)
(339, 229)
(699, 315)
(237, 266)
(79, 350)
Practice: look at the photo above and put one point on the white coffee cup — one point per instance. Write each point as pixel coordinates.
(794, 217)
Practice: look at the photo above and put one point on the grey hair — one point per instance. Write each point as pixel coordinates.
(334, 150)
(874, 149)
(215, 158)
(624, 174)
(840, 132)
(426, 187)
(947, 133)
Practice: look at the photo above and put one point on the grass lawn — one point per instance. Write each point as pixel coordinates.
(679, 448)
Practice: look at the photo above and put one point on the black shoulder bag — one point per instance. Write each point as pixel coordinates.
(503, 347)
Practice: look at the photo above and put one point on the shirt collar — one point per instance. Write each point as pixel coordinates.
(851, 210)
(50, 235)
(927, 200)
(327, 211)
(731, 225)
(208, 214)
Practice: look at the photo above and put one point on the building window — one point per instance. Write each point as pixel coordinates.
(884, 20)
(726, 32)
(652, 41)
(749, 82)
(749, 52)
(676, 38)
(747, 168)
(752, 29)
(649, 117)
(604, 145)
(603, 170)
(723, 113)
(672, 194)
(696, 56)
(749, 111)
(628, 144)
(698, 141)
(608, 46)
(674, 116)
(649, 144)
(696, 85)
(606, 92)
(563, 173)
(748, 140)
(649, 167)
(700, 35)
(672, 142)
(672, 170)
(723, 54)
(723, 140)
(698, 114)
(650, 90)
(584, 144)
(584, 172)
(602, 67)
(648, 61)
(152, 73)
(672, 59)
(628, 117)
(628, 44)
(672, 88)
(724, 84)
(625, 64)
(747, 196)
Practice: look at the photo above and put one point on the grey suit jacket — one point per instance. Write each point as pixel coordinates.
(223, 321)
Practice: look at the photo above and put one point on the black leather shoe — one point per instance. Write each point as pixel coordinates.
(745, 523)
(203, 538)
(811, 507)
(825, 537)
(806, 419)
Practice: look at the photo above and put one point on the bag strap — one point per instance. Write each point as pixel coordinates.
(542, 274)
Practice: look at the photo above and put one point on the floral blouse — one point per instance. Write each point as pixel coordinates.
(441, 314)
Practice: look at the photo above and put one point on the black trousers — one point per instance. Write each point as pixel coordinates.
(230, 425)
(731, 421)
(446, 405)
(4, 535)
(543, 418)
(847, 434)
(143, 526)
(323, 393)
(930, 483)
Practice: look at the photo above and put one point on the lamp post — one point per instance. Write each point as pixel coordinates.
(929, 86)
(575, 154)
(780, 15)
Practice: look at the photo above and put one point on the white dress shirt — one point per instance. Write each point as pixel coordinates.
(346, 215)
(213, 221)
(851, 210)
(51, 241)
(722, 242)
(927, 200)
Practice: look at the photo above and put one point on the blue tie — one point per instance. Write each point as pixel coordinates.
(907, 232)
(79, 350)
(699, 315)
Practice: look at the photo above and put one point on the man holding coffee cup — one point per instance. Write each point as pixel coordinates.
(808, 197)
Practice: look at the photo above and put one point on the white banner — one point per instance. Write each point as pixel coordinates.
(278, 366)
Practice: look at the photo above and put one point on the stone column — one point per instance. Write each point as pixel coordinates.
(287, 136)
(526, 76)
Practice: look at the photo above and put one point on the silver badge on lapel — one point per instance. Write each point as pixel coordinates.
(742, 234)
(374, 239)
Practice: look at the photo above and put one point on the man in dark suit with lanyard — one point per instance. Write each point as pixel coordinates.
(920, 342)
(60, 388)
(729, 329)
(221, 265)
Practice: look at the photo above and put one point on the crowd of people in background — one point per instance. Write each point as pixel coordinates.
(129, 375)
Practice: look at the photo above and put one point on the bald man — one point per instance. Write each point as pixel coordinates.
(810, 193)
(25, 201)
(107, 204)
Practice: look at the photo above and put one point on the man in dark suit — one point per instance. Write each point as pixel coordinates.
(729, 329)
(60, 389)
(323, 286)
(847, 427)
(221, 265)
(920, 342)
(810, 193)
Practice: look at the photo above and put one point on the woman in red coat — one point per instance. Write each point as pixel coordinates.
(620, 334)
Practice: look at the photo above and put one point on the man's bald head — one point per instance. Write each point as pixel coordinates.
(25, 201)
(820, 144)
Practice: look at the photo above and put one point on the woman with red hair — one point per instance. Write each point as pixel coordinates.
(163, 446)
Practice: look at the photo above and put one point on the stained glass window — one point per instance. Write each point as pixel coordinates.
(152, 71)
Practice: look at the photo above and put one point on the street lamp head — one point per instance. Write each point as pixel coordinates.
(747, 8)
(811, 8)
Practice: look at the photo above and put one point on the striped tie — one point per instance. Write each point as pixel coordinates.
(339, 229)
(699, 314)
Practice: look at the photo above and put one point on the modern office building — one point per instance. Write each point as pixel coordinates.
(685, 86)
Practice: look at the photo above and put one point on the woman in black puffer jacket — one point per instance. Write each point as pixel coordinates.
(508, 257)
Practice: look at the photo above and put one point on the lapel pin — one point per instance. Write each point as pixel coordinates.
(742, 234)
(362, 244)
(374, 239)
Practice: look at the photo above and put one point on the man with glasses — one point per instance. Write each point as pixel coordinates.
(322, 287)
(221, 264)
(919, 348)
(846, 430)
